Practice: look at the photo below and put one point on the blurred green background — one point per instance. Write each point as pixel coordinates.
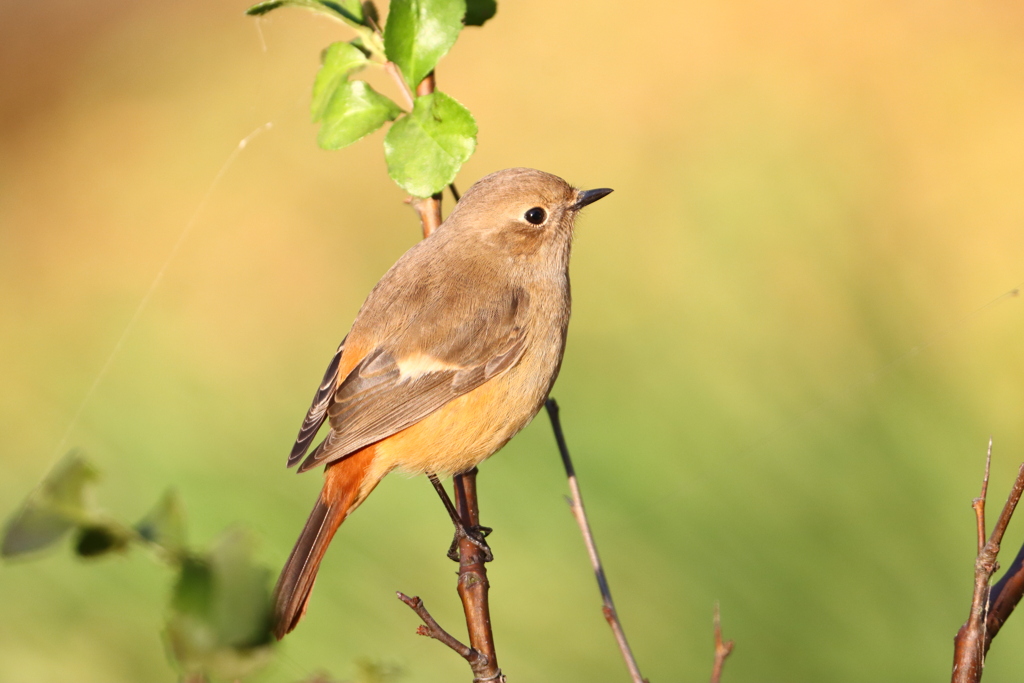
(781, 372)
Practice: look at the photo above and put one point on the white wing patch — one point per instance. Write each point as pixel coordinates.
(420, 364)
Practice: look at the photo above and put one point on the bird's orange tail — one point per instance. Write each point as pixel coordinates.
(345, 487)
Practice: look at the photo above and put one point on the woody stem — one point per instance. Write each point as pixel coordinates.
(473, 585)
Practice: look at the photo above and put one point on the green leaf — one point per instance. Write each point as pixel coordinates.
(242, 608)
(354, 111)
(355, 8)
(164, 525)
(339, 60)
(479, 11)
(53, 509)
(99, 539)
(425, 149)
(66, 486)
(33, 528)
(193, 590)
(349, 11)
(190, 633)
(361, 45)
(419, 33)
(221, 611)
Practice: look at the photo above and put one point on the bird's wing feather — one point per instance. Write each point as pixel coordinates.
(317, 412)
(401, 381)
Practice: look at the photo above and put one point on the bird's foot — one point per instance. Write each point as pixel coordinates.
(476, 536)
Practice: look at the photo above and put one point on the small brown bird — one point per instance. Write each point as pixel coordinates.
(454, 351)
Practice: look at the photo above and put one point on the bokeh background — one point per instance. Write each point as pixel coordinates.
(793, 330)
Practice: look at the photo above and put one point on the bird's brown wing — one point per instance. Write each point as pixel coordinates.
(317, 412)
(401, 381)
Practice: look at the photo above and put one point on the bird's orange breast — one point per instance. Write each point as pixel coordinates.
(462, 433)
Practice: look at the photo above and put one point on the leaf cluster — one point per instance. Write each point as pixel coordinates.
(219, 616)
(427, 144)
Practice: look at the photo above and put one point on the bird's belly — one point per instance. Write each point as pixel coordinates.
(467, 430)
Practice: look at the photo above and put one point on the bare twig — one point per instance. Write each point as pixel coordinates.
(972, 640)
(979, 503)
(429, 209)
(578, 511)
(723, 648)
(433, 630)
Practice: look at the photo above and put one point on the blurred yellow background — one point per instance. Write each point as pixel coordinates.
(782, 368)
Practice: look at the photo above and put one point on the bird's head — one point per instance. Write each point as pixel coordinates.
(521, 210)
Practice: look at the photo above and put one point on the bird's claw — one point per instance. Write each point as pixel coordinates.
(474, 535)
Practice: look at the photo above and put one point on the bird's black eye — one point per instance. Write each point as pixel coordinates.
(536, 215)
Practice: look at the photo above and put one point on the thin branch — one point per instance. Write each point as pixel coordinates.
(723, 648)
(433, 630)
(455, 192)
(429, 209)
(1003, 598)
(579, 512)
(979, 503)
(971, 642)
(1011, 503)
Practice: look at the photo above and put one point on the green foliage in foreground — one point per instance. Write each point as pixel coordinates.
(219, 616)
(426, 147)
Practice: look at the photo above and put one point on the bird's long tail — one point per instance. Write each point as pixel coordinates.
(346, 484)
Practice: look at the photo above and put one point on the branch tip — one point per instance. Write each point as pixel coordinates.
(723, 648)
(433, 630)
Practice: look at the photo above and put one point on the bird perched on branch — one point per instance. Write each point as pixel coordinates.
(453, 352)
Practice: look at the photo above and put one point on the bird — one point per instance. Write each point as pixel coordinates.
(453, 352)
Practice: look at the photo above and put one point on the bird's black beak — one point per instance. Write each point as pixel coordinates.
(589, 197)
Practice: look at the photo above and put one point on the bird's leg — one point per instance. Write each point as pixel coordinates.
(476, 534)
